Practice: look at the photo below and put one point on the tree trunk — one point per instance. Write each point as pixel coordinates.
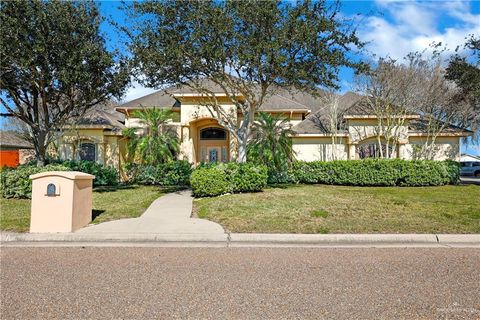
(243, 135)
(242, 150)
(40, 148)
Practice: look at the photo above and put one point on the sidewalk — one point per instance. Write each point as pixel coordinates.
(168, 217)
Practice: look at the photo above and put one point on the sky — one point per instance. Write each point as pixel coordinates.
(390, 28)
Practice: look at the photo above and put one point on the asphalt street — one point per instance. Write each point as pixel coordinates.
(240, 283)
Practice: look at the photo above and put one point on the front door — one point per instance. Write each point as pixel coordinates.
(213, 145)
(213, 154)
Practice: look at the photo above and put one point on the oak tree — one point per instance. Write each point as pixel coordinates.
(248, 49)
(54, 65)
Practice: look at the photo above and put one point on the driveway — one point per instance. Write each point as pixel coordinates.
(168, 215)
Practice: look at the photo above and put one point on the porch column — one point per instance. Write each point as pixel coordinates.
(351, 151)
(401, 151)
(101, 156)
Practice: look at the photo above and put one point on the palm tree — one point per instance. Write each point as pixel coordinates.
(157, 142)
(271, 142)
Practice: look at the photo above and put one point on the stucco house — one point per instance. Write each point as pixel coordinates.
(98, 135)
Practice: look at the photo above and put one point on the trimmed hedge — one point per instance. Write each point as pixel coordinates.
(15, 182)
(175, 173)
(214, 180)
(376, 172)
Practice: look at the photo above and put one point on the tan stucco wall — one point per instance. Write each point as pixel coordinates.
(26, 155)
(319, 149)
(446, 147)
(106, 146)
(361, 129)
(194, 111)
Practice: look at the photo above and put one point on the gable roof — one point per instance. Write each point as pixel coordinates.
(102, 116)
(350, 104)
(12, 139)
(167, 98)
(318, 122)
(421, 125)
(161, 98)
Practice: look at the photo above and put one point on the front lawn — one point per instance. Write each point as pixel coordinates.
(344, 209)
(108, 204)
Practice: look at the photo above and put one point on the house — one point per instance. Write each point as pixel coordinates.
(98, 135)
(14, 149)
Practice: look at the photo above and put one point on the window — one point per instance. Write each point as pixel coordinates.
(213, 134)
(87, 151)
(224, 154)
(372, 150)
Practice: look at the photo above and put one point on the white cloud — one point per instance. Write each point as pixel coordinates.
(136, 91)
(408, 26)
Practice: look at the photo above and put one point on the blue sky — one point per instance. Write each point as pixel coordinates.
(392, 28)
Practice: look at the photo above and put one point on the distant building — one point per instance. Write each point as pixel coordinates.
(14, 149)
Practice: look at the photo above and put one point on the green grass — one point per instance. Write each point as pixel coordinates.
(108, 204)
(343, 209)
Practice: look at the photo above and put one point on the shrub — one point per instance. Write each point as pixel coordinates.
(15, 182)
(104, 175)
(245, 177)
(377, 172)
(175, 173)
(209, 182)
(213, 180)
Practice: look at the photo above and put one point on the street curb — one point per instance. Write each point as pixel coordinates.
(245, 239)
(331, 239)
(113, 237)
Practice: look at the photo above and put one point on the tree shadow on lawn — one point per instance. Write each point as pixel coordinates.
(166, 189)
(96, 213)
(283, 185)
(102, 189)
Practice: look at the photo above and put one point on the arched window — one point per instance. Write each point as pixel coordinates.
(87, 151)
(372, 150)
(213, 134)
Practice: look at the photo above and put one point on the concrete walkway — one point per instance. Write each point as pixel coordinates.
(168, 215)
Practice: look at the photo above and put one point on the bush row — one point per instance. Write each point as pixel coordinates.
(15, 182)
(104, 175)
(176, 173)
(376, 172)
(214, 180)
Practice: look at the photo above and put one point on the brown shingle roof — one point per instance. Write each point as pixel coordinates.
(318, 122)
(162, 98)
(165, 98)
(13, 139)
(102, 116)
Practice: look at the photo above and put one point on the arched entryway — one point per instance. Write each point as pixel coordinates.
(370, 148)
(213, 144)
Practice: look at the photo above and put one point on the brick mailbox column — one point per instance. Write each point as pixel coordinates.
(61, 201)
